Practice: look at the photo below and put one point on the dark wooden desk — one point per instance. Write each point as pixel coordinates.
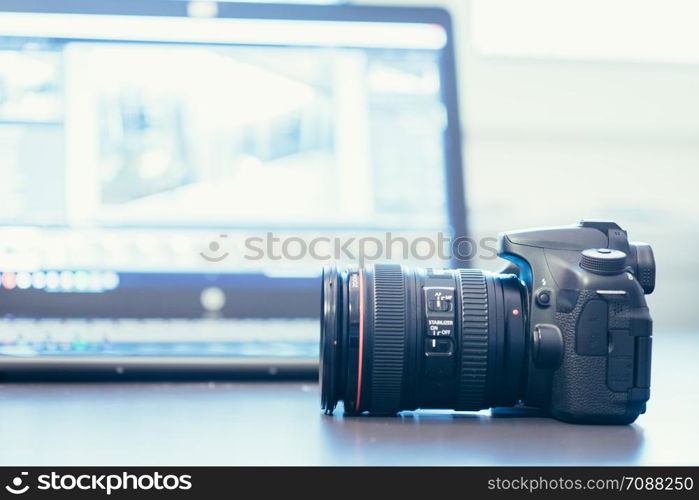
(260, 423)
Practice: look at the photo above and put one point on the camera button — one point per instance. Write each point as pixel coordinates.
(439, 305)
(439, 347)
(439, 358)
(547, 346)
(439, 299)
(543, 297)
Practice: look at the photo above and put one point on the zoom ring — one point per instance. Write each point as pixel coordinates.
(474, 339)
(389, 338)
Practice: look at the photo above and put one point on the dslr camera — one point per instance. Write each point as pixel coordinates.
(564, 328)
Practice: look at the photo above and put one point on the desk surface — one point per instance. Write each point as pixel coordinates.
(262, 423)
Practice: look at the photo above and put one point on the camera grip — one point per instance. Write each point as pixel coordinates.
(603, 377)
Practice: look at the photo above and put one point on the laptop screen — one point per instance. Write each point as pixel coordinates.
(178, 166)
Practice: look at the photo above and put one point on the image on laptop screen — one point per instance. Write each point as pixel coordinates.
(164, 177)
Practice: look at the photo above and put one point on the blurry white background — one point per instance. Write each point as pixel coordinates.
(578, 109)
(575, 109)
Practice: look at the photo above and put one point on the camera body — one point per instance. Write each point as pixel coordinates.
(564, 328)
(588, 324)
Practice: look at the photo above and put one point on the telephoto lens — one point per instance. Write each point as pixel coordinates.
(395, 338)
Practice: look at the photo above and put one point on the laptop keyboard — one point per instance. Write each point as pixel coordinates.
(286, 338)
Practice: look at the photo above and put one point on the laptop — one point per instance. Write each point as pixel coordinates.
(174, 175)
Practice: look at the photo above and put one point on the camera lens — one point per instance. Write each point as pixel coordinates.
(395, 338)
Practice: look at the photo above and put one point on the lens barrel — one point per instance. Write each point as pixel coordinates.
(394, 338)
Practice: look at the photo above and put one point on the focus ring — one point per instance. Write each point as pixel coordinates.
(389, 338)
(474, 339)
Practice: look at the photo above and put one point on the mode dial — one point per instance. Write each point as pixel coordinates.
(603, 261)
